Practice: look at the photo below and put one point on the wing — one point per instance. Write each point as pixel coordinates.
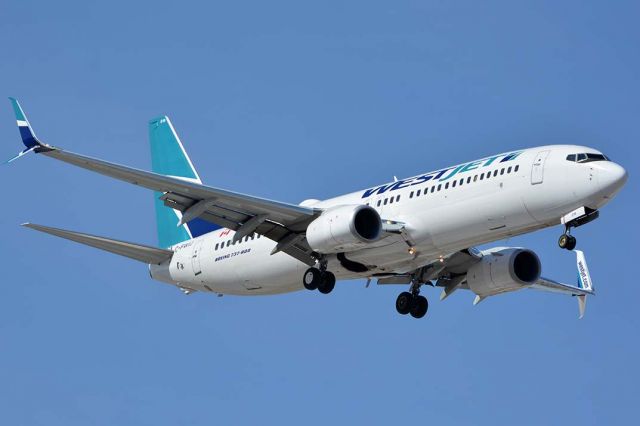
(242, 213)
(450, 272)
(281, 222)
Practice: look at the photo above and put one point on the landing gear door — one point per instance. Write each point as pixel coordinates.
(537, 171)
(196, 255)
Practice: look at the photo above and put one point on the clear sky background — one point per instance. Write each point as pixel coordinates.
(295, 100)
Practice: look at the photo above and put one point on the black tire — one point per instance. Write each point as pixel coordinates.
(327, 283)
(572, 243)
(420, 307)
(563, 241)
(311, 278)
(404, 303)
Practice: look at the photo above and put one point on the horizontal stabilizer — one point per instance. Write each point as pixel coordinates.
(142, 253)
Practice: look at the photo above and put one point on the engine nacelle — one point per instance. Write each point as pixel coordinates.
(344, 228)
(503, 270)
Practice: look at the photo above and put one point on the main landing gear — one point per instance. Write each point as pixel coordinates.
(320, 279)
(410, 302)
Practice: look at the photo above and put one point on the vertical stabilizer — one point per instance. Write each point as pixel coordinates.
(168, 157)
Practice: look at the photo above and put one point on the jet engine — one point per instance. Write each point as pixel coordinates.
(344, 228)
(502, 270)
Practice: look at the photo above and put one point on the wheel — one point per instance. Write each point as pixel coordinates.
(420, 307)
(563, 241)
(311, 278)
(404, 302)
(572, 243)
(327, 283)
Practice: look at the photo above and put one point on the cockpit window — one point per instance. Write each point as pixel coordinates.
(586, 157)
(596, 157)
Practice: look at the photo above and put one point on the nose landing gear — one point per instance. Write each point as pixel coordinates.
(567, 241)
(412, 303)
(578, 217)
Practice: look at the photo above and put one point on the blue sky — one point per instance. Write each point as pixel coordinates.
(292, 100)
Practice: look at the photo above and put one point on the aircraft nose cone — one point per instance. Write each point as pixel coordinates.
(612, 177)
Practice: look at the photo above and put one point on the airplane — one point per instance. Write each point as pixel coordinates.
(415, 231)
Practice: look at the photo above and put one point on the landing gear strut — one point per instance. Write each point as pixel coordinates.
(319, 279)
(412, 303)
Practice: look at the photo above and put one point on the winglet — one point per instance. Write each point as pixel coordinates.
(582, 304)
(584, 281)
(584, 278)
(29, 138)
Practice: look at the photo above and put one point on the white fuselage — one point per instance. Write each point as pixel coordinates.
(530, 191)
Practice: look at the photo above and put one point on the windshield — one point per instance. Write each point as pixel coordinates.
(587, 157)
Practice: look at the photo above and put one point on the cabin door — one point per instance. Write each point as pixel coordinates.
(537, 171)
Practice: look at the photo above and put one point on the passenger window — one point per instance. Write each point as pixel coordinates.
(253, 236)
(228, 243)
(517, 167)
(469, 179)
(502, 171)
(418, 193)
(481, 176)
(397, 198)
(433, 188)
(439, 186)
(509, 169)
(391, 200)
(379, 201)
(385, 201)
(446, 186)
(461, 181)
(475, 178)
(216, 246)
(495, 173)
(411, 194)
(454, 183)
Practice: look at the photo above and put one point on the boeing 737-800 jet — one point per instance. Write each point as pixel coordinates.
(414, 231)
